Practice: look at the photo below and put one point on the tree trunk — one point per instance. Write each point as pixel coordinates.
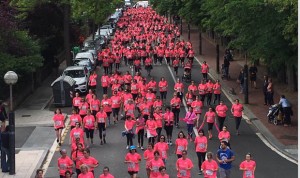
(67, 33)
(189, 31)
(200, 41)
(291, 78)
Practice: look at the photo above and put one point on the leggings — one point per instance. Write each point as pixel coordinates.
(169, 130)
(209, 95)
(217, 97)
(129, 137)
(221, 122)
(202, 97)
(201, 158)
(163, 95)
(237, 122)
(101, 127)
(141, 137)
(104, 90)
(158, 130)
(176, 112)
(151, 140)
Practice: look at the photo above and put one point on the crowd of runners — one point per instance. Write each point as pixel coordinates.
(145, 39)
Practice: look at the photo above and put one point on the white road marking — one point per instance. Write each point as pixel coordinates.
(266, 142)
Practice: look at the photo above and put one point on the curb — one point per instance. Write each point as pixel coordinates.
(47, 103)
(268, 137)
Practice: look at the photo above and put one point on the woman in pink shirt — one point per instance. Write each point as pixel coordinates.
(224, 135)
(181, 144)
(221, 110)
(184, 166)
(204, 70)
(155, 164)
(217, 91)
(168, 117)
(89, 122)
(59, 124)
(148, 156)
(190, 118)
(151, 127)
(93, 80)
(83, 107)
(88, 160)
(163, 87)
(85, 173)
(75, 117)
(64, 163)
(201, 148)
(158, 119)
(197, 106)
(163, 174)
(140, 131)
(248, 167)
(77, 132)
(132, 159)
(209, 167)
(106, 104)
(101, 118)
(106, 173)
(76, 157)
(129, 124)
(237, 112)
(162, 147)
(94, 104)
(210, 118)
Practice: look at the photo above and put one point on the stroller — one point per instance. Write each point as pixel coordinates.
(187, 76)
(275, 115)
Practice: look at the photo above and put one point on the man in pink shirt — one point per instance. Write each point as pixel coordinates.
(106, 173)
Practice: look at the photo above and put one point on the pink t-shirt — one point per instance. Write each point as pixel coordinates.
(87, 175)
(183, 166)
(148, 156)
(90, 161)
(224, 136)
(181, 144)
(75, 118)
(134, 164)
(89, 122)
(221, 110)
(63, 164)
(58, 121)
(154, 165)
(250, 166)
(163, 176)
(210, 117)
(237, 110)
(209, 168)
(163, 148)
(129, 124)
(200, 143)
(106, 176)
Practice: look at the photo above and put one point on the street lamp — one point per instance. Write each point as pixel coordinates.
(11, 78)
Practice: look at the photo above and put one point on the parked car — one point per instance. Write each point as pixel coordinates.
(103, 32)
(84, 55)
(81, 76)
(141, 4)
(110, 27)
(86, 62)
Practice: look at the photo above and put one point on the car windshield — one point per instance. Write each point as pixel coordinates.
(74, 73)
(81, 62)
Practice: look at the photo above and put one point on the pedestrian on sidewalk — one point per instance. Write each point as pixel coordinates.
(248, 166)
(286, 109)
(240, 80)
(3, 115)
(265, 86)
(226, 65)
(59, 124)
(237, 112)
(5, 157)
(253, 72)
(225, 157)
(204, 70)
(270, 92)
(201, 148)
(221, 110)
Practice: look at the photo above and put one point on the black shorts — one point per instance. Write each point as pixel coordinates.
(115, 111)
(210, 126)
(89, 133)
(108, 114)
(59, 128)
(132, 172)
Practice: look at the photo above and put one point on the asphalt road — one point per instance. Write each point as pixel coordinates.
(269, 164)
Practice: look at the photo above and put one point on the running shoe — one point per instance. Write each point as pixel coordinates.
(127, 147)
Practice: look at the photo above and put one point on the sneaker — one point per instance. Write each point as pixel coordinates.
(142, 148)
(170, 143)
(200, 173)
(139, 146)
(237, 133)
(104, 141)
(101, 143)
(127, 147)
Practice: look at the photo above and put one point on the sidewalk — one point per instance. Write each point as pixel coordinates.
(284, 139)
(34, 131)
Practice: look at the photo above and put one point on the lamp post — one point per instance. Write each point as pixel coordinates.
(11, 78)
